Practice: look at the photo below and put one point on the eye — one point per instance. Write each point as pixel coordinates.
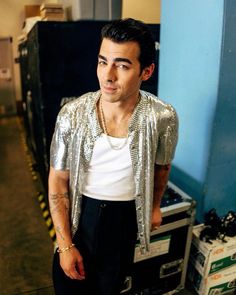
(122, 66)
(101, 62)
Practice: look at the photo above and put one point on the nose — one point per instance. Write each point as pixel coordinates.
(110, 74)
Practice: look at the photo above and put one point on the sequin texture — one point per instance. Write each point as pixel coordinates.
(153, 134)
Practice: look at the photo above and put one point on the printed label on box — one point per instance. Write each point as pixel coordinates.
(226, 288)
(222, 263)
(223, 282)
(158, 246)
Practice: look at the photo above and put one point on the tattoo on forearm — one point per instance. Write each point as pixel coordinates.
(58, 230)
(59, 196)
(59, 202)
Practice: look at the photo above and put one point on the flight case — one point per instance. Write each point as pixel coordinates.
(163, 269)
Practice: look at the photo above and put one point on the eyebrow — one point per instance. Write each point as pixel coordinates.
(117, 59)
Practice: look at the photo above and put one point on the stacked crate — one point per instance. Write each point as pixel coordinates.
(212, 268)
(52, 12)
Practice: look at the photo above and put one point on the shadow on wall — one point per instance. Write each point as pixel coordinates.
(191, 187)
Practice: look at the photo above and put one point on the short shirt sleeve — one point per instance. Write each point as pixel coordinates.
(59, 150)
(168, 136)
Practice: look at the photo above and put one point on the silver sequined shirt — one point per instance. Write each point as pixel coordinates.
(153, 132)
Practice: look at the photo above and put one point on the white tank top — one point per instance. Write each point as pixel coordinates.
(110, 174)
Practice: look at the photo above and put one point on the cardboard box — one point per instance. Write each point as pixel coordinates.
(208, 258)
(220, 283)
(51, 6)
(32, 10)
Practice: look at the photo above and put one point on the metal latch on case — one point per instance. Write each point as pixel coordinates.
(170, 268)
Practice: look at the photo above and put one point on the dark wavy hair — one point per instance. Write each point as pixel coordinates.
(129, 29)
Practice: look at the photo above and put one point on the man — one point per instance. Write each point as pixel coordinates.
(110, 160)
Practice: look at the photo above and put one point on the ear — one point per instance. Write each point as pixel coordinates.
(147, 72)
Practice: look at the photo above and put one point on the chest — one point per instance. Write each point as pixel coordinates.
(117, 128)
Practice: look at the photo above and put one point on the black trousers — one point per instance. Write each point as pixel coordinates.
(106, 240)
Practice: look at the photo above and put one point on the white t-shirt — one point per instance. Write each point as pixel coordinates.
(110, 174)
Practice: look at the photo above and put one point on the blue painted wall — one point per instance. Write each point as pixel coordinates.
(220, 184)
(191, 74)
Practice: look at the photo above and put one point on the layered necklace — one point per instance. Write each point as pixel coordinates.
(104, 127)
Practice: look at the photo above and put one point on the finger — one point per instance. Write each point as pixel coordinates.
(76, 276)
(81, 268)
(155, 226)
(69, 275)
(77, 272)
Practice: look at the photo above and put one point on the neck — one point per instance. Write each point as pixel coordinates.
(114, 125)
(118, 111)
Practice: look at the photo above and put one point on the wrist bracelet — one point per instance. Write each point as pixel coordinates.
(61, 250)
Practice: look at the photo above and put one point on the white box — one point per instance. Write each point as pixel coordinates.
(208, 258)
(220, 283)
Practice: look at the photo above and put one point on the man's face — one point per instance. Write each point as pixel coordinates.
(118, 71)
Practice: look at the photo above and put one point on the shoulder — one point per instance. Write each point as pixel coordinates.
(157, 106)
(79, 102)
(79, 105)
(75, 109)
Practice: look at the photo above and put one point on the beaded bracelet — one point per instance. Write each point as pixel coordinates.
(65, 249)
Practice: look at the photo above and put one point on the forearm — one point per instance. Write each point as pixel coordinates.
(60, 208)
(160, 181)
(70, 260)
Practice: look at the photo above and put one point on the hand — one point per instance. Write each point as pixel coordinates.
(156, 218)
(72, 264)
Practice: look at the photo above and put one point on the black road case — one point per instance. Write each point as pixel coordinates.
(163, 269)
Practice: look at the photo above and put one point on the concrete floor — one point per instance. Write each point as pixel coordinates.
(26, 248)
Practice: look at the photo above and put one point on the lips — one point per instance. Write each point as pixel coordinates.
(109, 89)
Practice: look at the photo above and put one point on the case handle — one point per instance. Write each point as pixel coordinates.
(171, 268)
(127, 285)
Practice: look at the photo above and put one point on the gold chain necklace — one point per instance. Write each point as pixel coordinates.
(104, 127)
